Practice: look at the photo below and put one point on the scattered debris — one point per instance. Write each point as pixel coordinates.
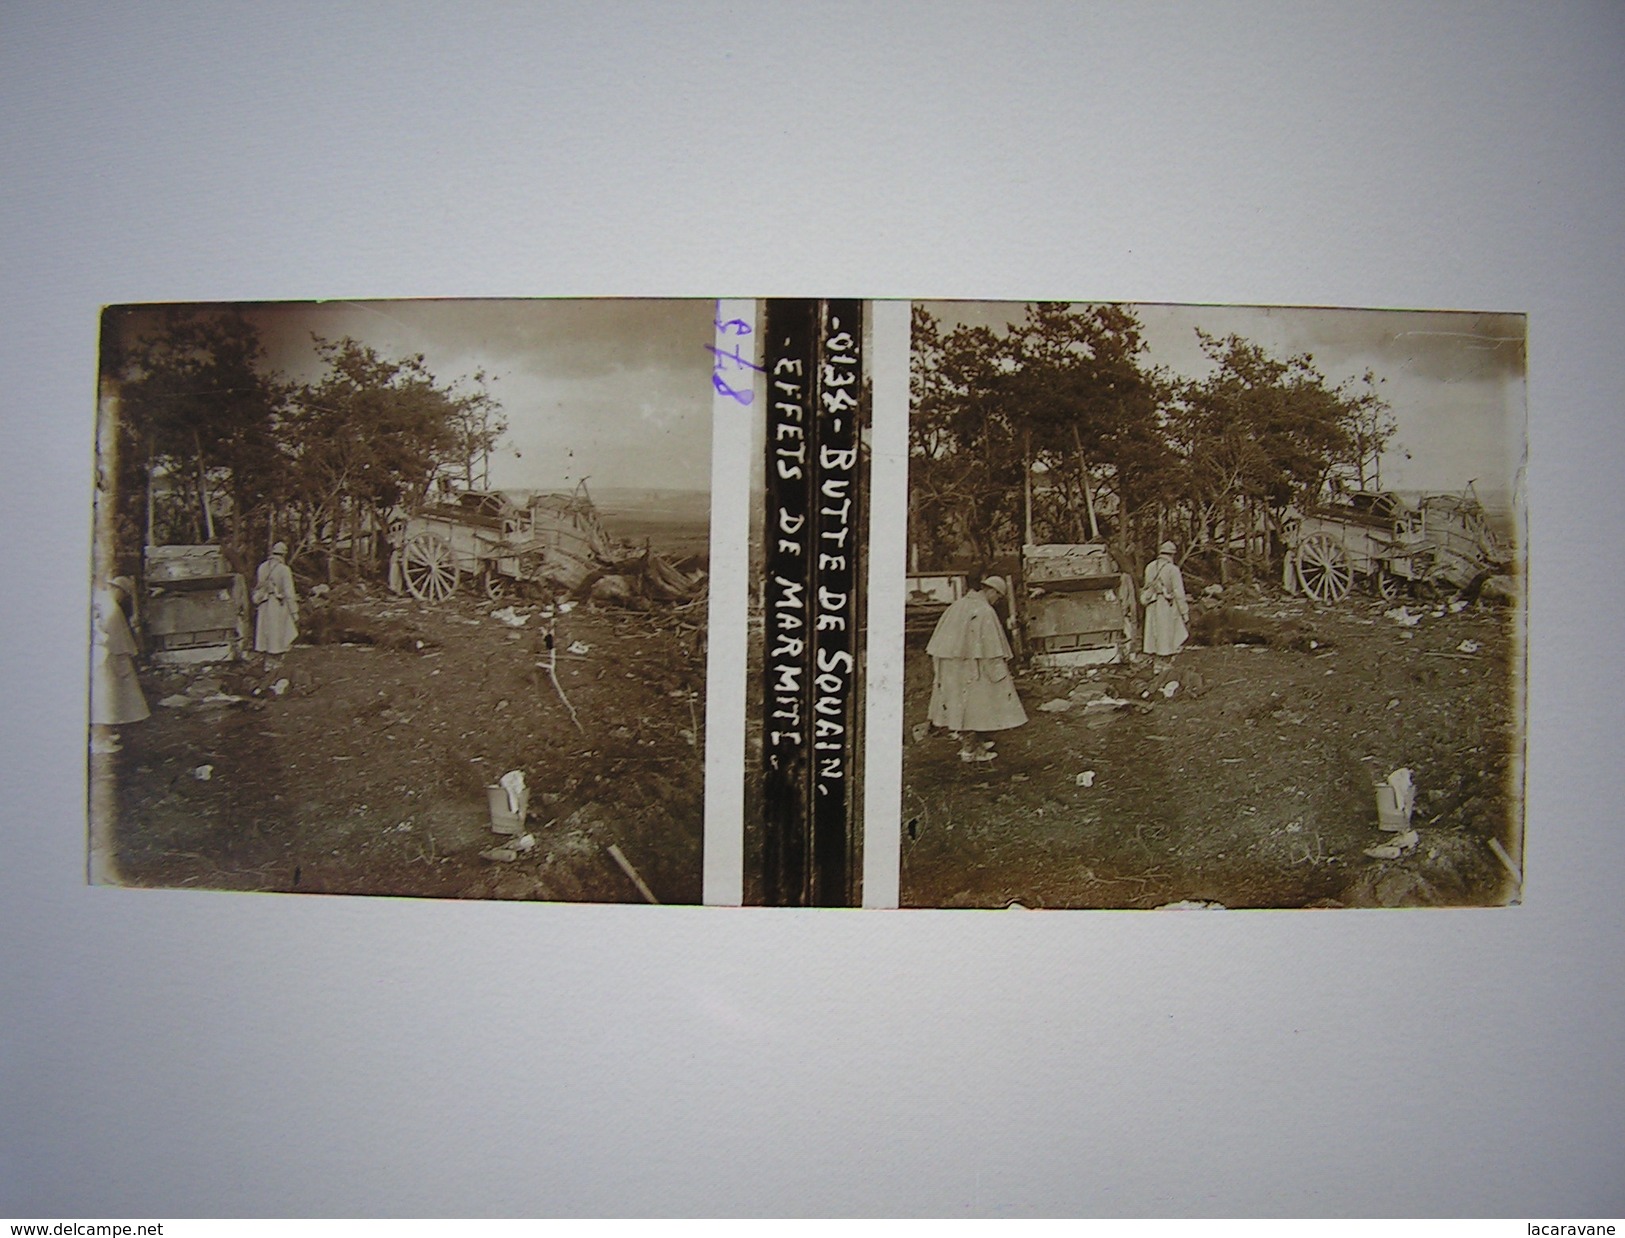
(550, 664)
(281, 686)
(1468, 646)
(1105, 704)
(1500, 590)
(510, 616)
(1085, 779)
(1396, 800)
(203, 773)
(579, 648)
(1193, 904)
(626, 867)
(505, 855)
(1402, 616)
(1401, 844)
(509, 801)
(1397, 886)
(614, 590)
(1169, 689)
(920, 731)
(1059, 705)
(1506, 861)
(513, 783)
(175, 700)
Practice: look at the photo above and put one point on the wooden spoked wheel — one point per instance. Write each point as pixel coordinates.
(496, 584)
(1323, 568)
(1385, 583)
(427, 564)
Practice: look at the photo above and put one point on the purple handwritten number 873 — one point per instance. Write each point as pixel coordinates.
(734, 326)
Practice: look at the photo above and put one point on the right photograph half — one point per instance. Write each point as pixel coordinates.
(1213, 607)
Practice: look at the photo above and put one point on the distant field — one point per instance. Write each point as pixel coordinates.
(675, 522)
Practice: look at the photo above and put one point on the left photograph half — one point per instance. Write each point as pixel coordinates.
(402, 598)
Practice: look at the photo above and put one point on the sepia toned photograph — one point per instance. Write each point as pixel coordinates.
(402, 598)
(1213, 607)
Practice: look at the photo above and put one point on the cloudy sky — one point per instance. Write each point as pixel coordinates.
(615, 390)
(1456, 380)
(618, 390)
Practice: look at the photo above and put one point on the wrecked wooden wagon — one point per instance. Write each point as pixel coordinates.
(501, 542)
(1390, 543)
(1077, 606)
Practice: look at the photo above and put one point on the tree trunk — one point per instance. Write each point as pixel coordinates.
(1026, 489)
(333, 537)
(1088, 492)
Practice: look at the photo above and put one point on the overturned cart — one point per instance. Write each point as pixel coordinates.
(1078, 605)
(196, 607)
(501, 543)
(1438, 542)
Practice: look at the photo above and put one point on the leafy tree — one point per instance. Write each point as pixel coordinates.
(964, 448)
(203, 417)
(1371, 425)
(198, 425)
(1057, 429)
(1062, 397)
(477, 425)
(370, 435)
(1093, 417)
(1261, 434)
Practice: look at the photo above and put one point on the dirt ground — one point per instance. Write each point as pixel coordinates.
(1256, 790)
(366, 774)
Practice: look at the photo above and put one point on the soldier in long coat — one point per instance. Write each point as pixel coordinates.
(971, 690)
(1167, 610)
(115, 692)
(276, 622)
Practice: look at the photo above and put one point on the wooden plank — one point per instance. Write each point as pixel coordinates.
(626, 867)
